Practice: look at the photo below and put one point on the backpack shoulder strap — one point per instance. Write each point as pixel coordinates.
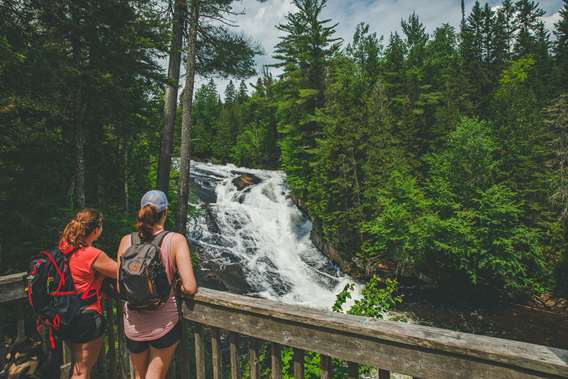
(135, 239)
(159, 238)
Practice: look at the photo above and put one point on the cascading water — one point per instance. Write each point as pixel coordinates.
(256, 241)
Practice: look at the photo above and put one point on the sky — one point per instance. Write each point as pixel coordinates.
(383, 16)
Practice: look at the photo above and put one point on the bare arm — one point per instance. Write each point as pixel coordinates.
(183, 264)
(105, 266)
(124, 243)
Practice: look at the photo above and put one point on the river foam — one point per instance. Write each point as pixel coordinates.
(260, 229)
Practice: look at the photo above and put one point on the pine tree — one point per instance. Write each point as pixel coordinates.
(561, 49)
(230, 93)
(528, 14)
(242, 96)
(303, 52)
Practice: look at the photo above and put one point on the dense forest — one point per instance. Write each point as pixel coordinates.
(437, 155)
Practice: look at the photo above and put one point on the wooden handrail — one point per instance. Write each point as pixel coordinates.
(405, 348)
(415, 350)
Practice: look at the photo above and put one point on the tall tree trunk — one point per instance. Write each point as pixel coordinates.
(78, 112)
(79, 156)
(183, 191)
(170, 101)
(125, 174)
(463, 14)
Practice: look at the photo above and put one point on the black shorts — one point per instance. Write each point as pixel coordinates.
(166, 340)
(88, 326)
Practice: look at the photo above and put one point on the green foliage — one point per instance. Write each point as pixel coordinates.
(376, 300)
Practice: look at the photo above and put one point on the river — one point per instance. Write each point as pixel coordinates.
(254, 240)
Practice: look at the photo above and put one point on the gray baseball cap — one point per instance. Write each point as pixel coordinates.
(156, 198)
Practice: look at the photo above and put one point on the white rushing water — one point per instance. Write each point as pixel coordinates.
(262, 231)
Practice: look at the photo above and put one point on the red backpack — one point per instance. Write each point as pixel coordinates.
(52, 294)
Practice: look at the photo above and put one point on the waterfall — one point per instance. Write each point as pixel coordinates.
(258, 239)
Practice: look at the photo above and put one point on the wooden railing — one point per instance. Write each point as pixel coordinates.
(224, 328)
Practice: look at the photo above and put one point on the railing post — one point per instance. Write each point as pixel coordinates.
(352, 370)
(253, 359)
(234, 351)
(20, 324)
(276, 361)
(111, 323)
(216, 354)
(325, 367)
(199, 353)
(298, 364)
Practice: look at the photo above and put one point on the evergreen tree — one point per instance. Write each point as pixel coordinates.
(561, 49)
(230, 93)
(528, 14)
(206, 110)
(303, 52)
(242, 96)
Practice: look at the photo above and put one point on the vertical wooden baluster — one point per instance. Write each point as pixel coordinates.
(199, 353)
(384, 374)
(234, 348)
(325, 367)
(123, 356)
(298, 364)
(111, 323)
(66, 360)
(184, 363)
(276, 361)
(216, 354)
(253, 359)
(352, 370)
(20, 324)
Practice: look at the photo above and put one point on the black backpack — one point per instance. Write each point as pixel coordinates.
(142, 276)
(52, 294)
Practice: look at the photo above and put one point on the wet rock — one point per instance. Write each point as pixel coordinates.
(211, 220)
(327, 249)
(229, 278)
(246, 180)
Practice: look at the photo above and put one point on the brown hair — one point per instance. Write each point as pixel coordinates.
(148, 216)
(80, 227)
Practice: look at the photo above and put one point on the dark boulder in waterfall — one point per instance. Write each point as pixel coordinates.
(245, 180)
(229, 278)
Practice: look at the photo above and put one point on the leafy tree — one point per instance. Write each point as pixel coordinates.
(375, 301)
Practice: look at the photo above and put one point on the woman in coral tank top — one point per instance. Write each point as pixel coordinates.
(89, 266)
(153, 335)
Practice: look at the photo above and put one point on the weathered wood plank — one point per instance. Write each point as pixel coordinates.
(352, 370)
(455, 345)
(199, 353)
(253, 359)
(325, 367)
(216, 354)
(384, 374)
(298, 364)
(12, 287)
(360, 348)
(234, 355)
(276, 358)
